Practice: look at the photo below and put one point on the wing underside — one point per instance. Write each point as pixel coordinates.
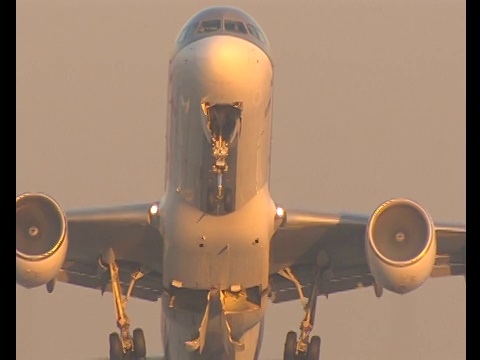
(337, 244)
(136, 244)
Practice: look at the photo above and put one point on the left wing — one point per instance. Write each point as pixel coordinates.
(341, 246)
(69, 247)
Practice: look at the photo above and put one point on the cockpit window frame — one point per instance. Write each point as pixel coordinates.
(190, 28)
(236, 23)
(190, 31)
(252, 29)
(210, 28)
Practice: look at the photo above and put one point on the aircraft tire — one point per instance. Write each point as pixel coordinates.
(139, 346)
(116, 347)
(313, 350)
(290, 346)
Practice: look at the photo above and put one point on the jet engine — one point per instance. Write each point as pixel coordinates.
(400, 245)
(42, 241)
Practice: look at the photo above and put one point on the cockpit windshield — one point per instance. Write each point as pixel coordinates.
(209, 25)
(222, 20)
(235, 26)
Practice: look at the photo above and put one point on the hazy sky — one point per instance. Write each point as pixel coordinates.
(370, 103)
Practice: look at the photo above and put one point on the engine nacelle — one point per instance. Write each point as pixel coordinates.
(42, 239)
(400, 245)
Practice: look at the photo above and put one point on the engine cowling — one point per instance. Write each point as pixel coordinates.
(41, 239)
(400, 245)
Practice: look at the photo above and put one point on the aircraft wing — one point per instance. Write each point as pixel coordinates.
(126, 230)
(337, 243)
(90, 235)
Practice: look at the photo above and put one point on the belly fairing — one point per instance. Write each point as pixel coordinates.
(203, 251)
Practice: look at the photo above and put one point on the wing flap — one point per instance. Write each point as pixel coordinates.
(341, 279)
(148, 288)
(451, 257)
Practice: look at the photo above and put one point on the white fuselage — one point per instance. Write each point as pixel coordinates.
(217, 221)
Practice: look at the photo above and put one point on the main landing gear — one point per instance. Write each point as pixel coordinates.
(123, 345)
(304, 347)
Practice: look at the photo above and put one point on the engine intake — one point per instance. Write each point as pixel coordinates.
(41, 239)
(400, 245)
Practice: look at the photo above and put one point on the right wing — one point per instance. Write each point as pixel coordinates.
(69, 246)
(338, 243)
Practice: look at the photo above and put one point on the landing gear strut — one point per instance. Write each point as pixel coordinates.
(123, 345)
(304, 347)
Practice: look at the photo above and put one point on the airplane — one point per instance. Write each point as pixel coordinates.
(216, 248)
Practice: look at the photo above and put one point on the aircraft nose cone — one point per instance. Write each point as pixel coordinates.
(223, 59)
